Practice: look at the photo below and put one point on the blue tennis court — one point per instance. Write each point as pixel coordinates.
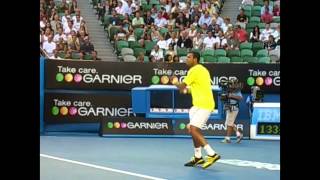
(88, 156)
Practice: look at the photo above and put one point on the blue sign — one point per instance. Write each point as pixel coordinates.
(265, 114)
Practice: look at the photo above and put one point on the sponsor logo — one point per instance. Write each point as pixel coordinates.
(210, 126)
(91, 75)
(267, 78)
(218, 126)
(85, 108)
(167, 76)
(137, 125)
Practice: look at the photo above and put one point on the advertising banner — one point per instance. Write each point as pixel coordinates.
(144, 126)
(98, 75)
(212, 127)
(136, 126)
(76, 107)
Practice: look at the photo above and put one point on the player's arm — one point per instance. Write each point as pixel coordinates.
(181, 86)
(187, 81)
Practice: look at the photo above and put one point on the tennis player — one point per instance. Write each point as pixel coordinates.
(198, 80)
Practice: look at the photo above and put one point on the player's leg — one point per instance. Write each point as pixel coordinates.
(197, 158)
(200, 118)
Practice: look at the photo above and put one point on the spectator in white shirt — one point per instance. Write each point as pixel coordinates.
(197, 41)
(205, 19)
(192, 32)
(265, 6)
(77, 17)
(247, 2)
(59, 35)
(157, 54)
(76, 23)
(168, 6)
(160, 21)
(219, 19)
(276, 34)
(46, 35)
(43, 22)
(162, 43)
(131, 7)
(121, 9)
(211, 42)
(125, 5)
(173, 40)
(266, 33)
(49, 46)
(64, 18)
(223, 41)
(227, 22)
(69, 28)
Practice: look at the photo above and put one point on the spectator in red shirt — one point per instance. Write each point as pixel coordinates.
(240, 34)
(266, 17)
(276, 10)
(164, 13)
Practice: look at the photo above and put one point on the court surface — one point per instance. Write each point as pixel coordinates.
(90, 157)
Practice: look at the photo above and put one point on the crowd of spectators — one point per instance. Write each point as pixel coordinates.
(165, 30)
(63, 31)
(157, 26)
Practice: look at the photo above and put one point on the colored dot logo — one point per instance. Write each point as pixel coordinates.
(68, 77)
(64, 110)
(55, 110)
(59, 77)
(123, 125)
(77, 78)
(72, 111)
(268, 81)
(164, 79)
(259, 81)
(174, 80)
(110, 125)
(250, 81)
(182, 126)
(117, 125)
(155, 79)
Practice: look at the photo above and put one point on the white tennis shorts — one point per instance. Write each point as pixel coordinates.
(231, 117)
(198, 117)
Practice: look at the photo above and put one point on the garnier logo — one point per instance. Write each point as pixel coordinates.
(90, 75)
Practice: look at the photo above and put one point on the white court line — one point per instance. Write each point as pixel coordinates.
(243, 163)
(101, 167)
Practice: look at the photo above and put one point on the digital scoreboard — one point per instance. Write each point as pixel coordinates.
(265, 122)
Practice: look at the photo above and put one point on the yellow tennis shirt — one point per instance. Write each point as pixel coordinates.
(199, 80)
